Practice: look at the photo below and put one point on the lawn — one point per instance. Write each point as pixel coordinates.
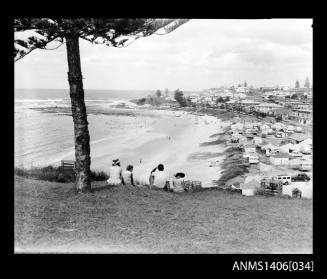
(50, 217)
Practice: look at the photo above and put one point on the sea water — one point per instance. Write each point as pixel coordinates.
(46, 138)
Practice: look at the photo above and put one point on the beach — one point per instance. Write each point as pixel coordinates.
(139, 136)
(173, 140)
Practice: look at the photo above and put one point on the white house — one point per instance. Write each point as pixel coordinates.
(257, 141)
(267, 107)
(297, 138)
(285, 148)
(249, 148)
(253, 158)
(280, 159)
(306, 164)
(304, 187)
(270, 148)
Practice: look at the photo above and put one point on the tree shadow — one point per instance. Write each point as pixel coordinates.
(104, 187)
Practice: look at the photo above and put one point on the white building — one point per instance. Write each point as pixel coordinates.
(267, 107)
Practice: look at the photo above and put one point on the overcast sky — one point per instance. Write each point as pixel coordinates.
(202, 53)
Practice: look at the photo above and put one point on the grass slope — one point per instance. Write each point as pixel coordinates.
(49, 217)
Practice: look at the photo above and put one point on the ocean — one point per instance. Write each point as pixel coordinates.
(118, 129)
(46, 138)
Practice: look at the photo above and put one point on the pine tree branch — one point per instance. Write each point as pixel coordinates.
(33, 48)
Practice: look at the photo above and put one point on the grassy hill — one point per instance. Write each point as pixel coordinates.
(50, 217)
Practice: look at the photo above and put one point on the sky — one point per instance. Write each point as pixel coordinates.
(201, 54)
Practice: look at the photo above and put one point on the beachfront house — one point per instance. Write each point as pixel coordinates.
(249, 148)
(280, 159)
(251, 184)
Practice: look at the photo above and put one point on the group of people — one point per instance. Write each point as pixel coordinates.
(158, 177)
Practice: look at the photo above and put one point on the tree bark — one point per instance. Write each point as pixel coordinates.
(81, 131)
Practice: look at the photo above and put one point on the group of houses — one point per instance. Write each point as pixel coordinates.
(272, 144)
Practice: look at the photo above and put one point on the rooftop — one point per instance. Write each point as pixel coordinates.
(283, 155)
(298, 137)
(269, 105)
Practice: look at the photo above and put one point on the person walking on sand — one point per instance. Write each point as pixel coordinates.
(158, 177)
(127, 176)
(115, 173)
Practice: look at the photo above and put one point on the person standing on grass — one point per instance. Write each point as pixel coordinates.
(127, 176)
(115, 173)
(158, 177)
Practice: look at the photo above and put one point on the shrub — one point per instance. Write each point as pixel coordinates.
(99, 176)
(56, 174)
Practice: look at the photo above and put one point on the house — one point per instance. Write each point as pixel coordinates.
(296, 162)
(270, 148)
(285, 148)
(264, 127)
(304, 187)
(280, 159)
(249, 148)
(248, 104)
(302, 116)
(306, 164)
(298, 137)
(307, 141)
(278, 126)
(253, 158)
(282, 112)
(257, 141)
(305, 148)
(267, 107)
(251, 184)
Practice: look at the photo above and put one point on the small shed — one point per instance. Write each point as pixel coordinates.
(280, 159)
(251, 184)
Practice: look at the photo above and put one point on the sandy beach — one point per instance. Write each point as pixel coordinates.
(138, 136)
(173, 140)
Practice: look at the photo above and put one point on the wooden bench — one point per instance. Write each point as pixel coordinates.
(68, 165)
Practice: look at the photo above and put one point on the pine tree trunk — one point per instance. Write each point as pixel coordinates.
(81, 131)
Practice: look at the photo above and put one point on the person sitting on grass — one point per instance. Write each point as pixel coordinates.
(176, 183)
(127, 176)
(158, 177)
(115, 173)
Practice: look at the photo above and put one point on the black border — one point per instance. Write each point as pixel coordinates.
(214, 263)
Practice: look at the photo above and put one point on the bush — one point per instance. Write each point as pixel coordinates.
(56, 174)
(99, 176)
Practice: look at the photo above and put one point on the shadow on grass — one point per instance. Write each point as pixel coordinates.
(104, 187)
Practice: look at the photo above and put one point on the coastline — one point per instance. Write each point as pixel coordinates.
(175, 138)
